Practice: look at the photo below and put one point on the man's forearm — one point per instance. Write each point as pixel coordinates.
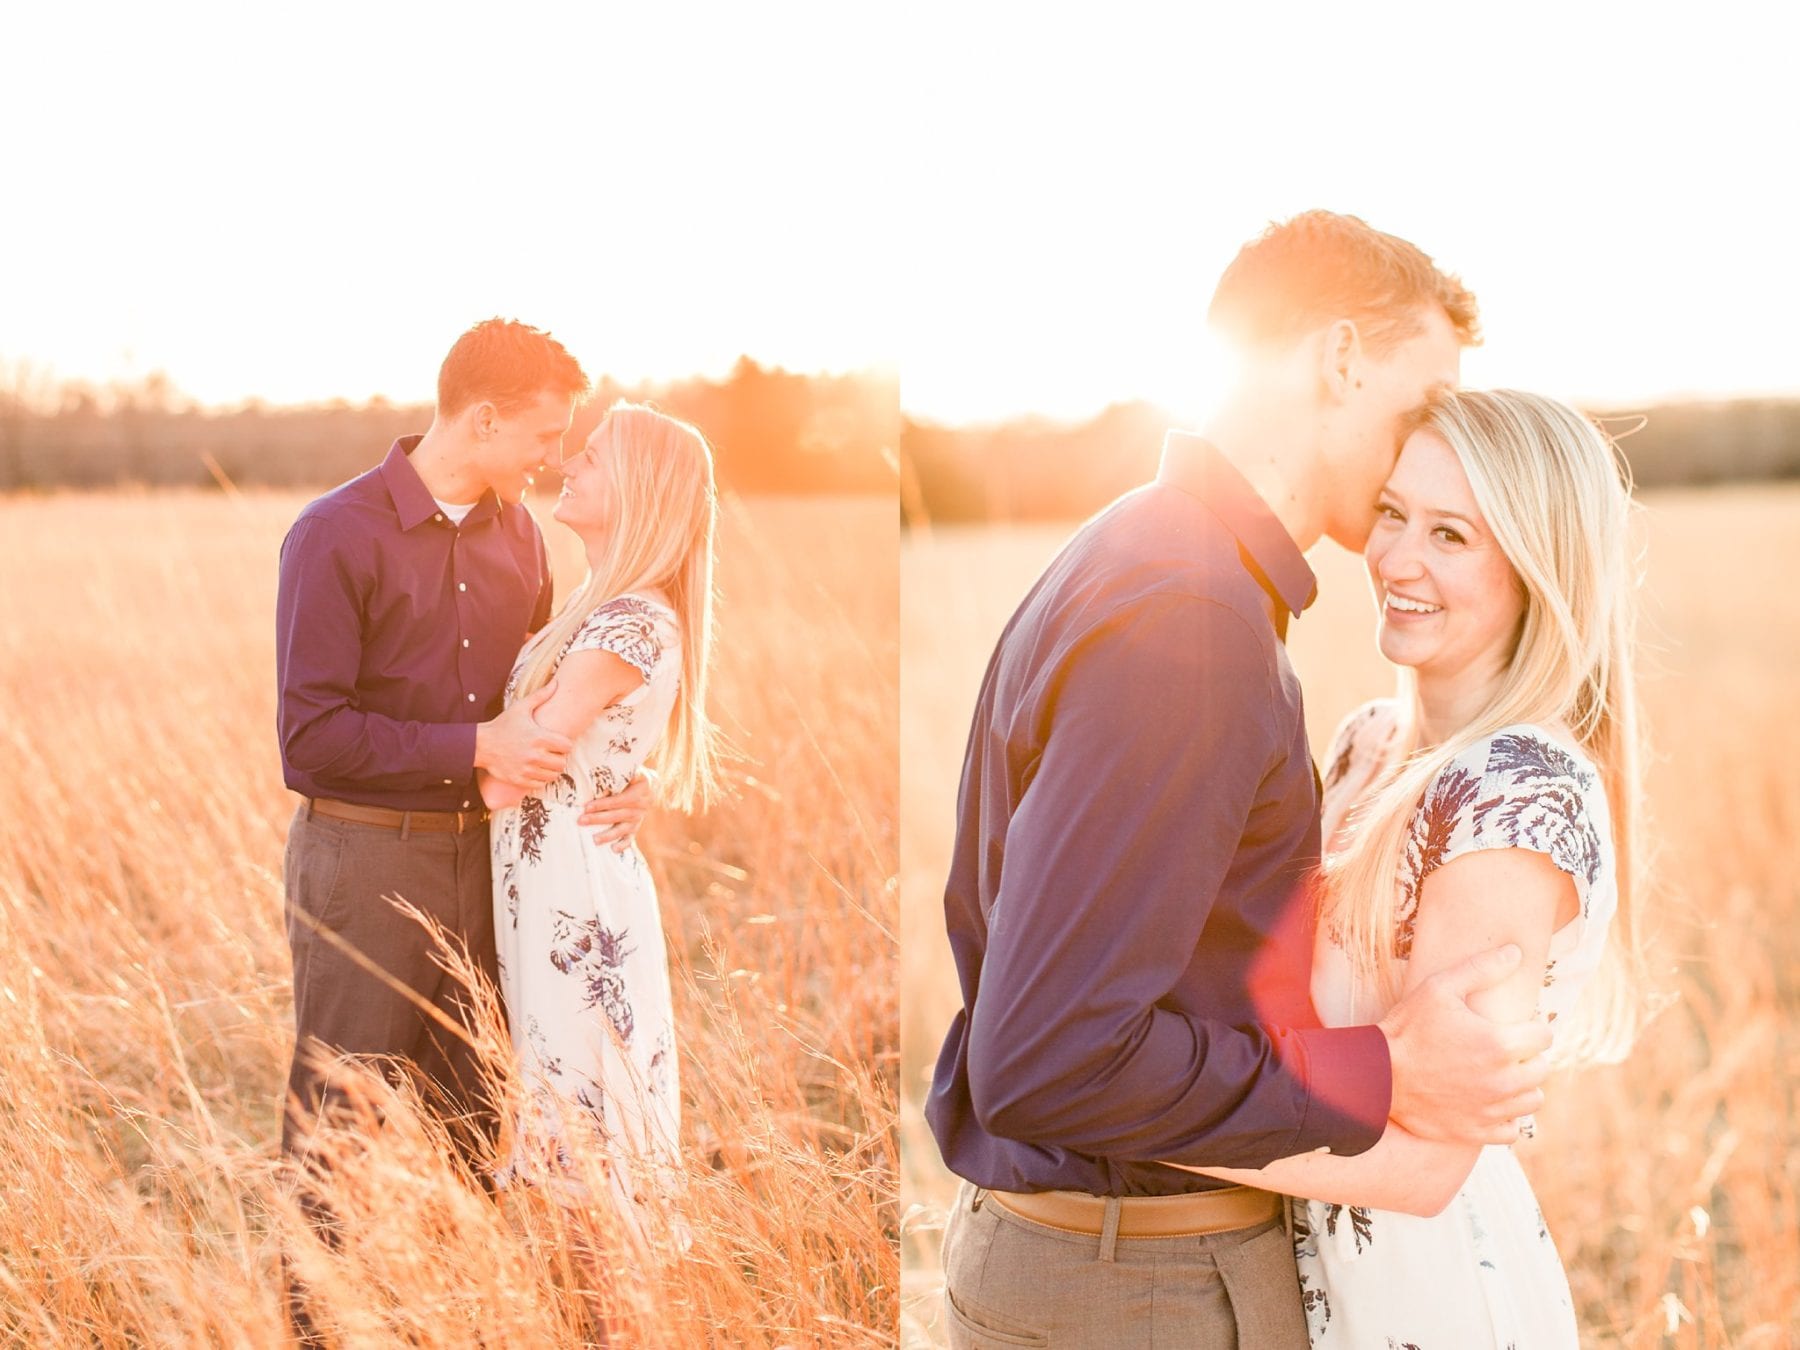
(351, 747)
(1180, 1088)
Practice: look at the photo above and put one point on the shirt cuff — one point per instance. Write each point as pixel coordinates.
(1349, 1087)
(450, 751)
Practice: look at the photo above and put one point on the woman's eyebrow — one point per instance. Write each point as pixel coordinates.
(1444, 514)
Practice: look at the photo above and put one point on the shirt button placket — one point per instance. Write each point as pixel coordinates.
(462, 588)
(462, 622)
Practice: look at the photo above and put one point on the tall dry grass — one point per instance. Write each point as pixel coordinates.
(1671, 1182)
(145, 1018)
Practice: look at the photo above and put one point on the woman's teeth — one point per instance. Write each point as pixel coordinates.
(1406, 606)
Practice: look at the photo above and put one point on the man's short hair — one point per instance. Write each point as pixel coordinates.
(508, 364)
(1303, 273)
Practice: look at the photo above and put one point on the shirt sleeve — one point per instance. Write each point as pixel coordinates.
(1515, 790)
(1161, 725)
(318, 650)
(627, 628)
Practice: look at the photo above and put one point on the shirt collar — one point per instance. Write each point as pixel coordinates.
(413, 501)
(1197, 468)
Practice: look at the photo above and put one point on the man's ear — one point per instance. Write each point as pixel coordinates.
(1340, 356)
(484, 419)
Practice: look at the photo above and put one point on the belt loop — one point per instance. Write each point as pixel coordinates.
(405, 825)
(1109, 1227)
(975, 1200)
(309, 808)
(1287, 1217)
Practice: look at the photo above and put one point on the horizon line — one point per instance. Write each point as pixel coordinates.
(47, 379)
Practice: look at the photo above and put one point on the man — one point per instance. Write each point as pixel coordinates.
(405, 595)
(1137, 813)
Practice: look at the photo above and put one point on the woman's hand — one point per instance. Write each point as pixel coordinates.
(622, 813)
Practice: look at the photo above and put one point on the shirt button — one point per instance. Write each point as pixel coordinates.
(1323, 1148)
(438, 516)
(471, 698)
(462, 585)
(449, 782)
(465, 642)
(465, 804)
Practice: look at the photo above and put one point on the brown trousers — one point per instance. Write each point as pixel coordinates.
(337, 872)
(1012, 1282)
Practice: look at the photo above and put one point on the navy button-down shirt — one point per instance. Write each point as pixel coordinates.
(1127, 899)
(395, 630)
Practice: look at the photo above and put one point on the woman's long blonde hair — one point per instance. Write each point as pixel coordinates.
(660, 537)
(1557, 496)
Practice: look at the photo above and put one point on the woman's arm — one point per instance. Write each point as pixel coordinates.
(1476, 901)
(587, 683)
(1402, 1173)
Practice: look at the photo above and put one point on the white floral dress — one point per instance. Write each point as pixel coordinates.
(583, 967)
(1484, 1273)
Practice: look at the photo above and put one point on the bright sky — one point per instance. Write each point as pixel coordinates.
(1021, 215)
(307, 201)
(1619, 197)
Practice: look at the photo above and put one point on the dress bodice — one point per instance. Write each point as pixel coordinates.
(644, 634)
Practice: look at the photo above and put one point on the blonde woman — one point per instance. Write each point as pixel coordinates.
(581, 955)
(1490, 802)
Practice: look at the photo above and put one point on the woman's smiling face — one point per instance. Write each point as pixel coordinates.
(586, 497)
(1449, 600)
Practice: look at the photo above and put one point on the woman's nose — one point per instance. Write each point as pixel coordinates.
(1401, 559)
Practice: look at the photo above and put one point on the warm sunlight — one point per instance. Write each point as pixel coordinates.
(1081, 198)
(659, 687)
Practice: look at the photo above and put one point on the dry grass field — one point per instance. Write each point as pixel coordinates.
(1671, 1182)
(145, 1018)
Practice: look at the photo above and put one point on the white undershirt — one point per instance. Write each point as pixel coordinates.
(456, 511)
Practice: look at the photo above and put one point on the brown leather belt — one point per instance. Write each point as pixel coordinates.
(1146, 1216)
(429, 822)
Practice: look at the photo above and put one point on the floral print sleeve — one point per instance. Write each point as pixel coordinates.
(628, 628)
(1516, 789)
(1530, 794)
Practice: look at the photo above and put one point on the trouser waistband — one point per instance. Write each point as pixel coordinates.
(1145, 1216)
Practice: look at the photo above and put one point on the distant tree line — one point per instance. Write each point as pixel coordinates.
(1035, 469)
(771, 431)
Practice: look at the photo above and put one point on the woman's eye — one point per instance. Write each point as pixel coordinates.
(1450, 535)
(1387, 512)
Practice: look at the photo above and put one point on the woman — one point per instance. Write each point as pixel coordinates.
(582, 963)
(1491, 802)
